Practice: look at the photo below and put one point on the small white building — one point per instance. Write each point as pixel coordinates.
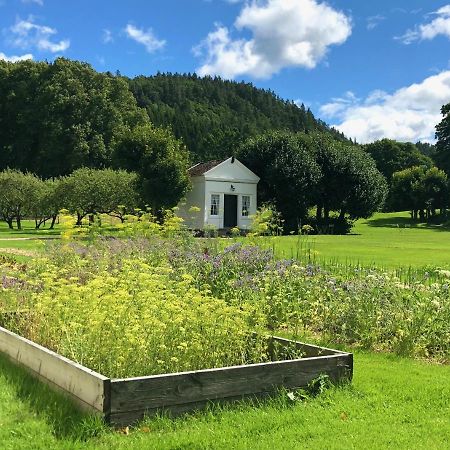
(225, 193)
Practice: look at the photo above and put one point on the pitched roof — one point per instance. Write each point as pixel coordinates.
(201, 168)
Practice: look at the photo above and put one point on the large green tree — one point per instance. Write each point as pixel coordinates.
(161, 162)
(56, 117)
(350, 183)
(442, 155)
(392, 156)
(288, 171)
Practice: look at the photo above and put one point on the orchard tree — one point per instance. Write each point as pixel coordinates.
(95, 191)
(288, 171)
(49, 202)
(19, 192)
(161, 162)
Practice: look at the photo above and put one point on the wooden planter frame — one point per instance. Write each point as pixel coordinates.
(124, 401)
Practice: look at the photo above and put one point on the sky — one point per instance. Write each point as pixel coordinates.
(372, 69)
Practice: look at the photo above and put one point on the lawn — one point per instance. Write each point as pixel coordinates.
(385, 240)
(24, 243)
(392, 403)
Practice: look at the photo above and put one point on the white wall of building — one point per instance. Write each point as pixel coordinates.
(194, 198)
(230, 177)
(222, 188)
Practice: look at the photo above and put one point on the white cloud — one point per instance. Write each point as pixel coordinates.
(408, 114)
(374, 21)
(15, 58)
(440, 25)
(285, 33)
(146, 38)
(107, 36)
(27, 34)
(38, 2)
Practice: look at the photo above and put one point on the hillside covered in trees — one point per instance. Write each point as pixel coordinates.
(213, 116)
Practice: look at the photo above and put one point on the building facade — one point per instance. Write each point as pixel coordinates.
(223, 196)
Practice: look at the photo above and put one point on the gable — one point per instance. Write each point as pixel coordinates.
(231, 170)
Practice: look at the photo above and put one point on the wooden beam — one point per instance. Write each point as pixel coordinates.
(133, 397)
(88, 389)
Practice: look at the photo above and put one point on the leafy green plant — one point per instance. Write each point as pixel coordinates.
(267, 221)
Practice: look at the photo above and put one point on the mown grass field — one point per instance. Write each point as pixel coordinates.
(392, 403)
(386, 240)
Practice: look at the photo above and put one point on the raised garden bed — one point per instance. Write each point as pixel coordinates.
(125, 401)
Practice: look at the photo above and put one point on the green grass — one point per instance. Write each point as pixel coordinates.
(26, 242)
(392, 403)
(386, 240)
(28, 231)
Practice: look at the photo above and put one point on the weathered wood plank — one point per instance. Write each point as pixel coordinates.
(308, 350)
(88, 388)
(169, 391)
(129, 417)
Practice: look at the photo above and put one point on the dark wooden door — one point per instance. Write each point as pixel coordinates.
(230, 211)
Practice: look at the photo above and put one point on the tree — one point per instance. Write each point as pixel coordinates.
(161, 162)
(420, 191)
(350, 182)
(442, 155)
(435, 187)
(56, 117)
(289, 174)
(19, 192)
(48, 203)
(392, 156)
(95, 191)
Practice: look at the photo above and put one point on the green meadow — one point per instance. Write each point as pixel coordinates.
(388, 240)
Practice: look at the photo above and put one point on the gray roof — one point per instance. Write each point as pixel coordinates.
(203, 167)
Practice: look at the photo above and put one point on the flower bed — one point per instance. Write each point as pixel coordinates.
(124, 401)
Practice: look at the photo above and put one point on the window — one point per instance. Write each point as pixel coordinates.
(245, 205)
(215, 198)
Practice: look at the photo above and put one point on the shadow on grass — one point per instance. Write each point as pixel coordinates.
(406, 222)
(28, 231)
(66, 420)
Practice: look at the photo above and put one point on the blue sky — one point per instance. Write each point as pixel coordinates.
(371, 68)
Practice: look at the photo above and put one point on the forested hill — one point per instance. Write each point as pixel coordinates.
(213, 116)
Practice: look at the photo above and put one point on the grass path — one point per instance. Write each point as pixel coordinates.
(392, 403)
